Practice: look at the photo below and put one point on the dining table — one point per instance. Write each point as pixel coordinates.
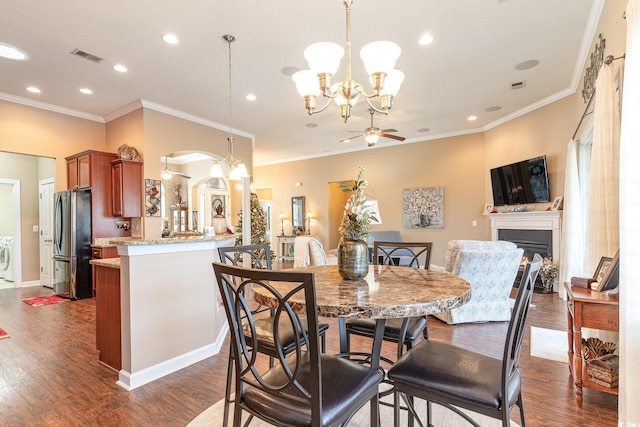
(386, 292)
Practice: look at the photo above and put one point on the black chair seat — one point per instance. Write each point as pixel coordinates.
(346, 386)
(264, 332)
(392, 328)
(440, 370)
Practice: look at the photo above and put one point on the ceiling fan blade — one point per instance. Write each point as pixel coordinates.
(388, 130)
(349, 139)
(184, 175)
(396, 137)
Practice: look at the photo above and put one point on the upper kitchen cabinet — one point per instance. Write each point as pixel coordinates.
(92, 169)
(83, 169)
(126, 188)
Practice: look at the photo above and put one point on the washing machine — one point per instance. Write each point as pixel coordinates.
(7, 262)
(3, 251)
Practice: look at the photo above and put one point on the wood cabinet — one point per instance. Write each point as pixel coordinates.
(588, 309)
(101, 252)
(126, 188)
(179, 218)
(79, 171)
(108, 331)
(92, 169)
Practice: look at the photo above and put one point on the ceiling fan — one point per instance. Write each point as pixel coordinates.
(168, 173)
(372, 134)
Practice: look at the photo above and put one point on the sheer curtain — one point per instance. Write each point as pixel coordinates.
(629, 386)
(603, 229)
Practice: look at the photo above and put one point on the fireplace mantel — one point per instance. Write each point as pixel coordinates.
(534, 220)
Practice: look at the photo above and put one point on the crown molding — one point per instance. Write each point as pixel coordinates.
(50, 107)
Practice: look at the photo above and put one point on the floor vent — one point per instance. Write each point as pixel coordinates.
(86, 55)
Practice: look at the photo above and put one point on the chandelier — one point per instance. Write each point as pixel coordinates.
(324, 59)
(237, 169)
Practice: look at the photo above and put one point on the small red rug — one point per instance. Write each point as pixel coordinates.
(45, 300)
(4, 334)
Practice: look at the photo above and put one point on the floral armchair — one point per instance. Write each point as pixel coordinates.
(491, 269)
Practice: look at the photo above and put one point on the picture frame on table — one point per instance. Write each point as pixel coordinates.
(488, 208)
(557, 202)
(610, 278)
(603, 267)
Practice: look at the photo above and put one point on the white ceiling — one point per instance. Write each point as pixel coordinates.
(467, 69)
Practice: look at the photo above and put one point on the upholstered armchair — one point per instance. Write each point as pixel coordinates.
(491, 269)
(310, 251)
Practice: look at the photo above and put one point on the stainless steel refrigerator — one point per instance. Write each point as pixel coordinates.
(72, 243)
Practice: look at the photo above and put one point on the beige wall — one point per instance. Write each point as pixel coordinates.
(456, 163)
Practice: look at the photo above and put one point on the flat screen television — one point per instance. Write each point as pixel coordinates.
(521, 183)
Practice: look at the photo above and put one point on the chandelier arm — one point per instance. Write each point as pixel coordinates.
(384, 111)
(315, 111)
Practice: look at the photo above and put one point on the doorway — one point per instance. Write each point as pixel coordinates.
(15, 226)
(47, 189)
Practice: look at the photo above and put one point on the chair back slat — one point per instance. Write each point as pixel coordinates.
(409, 254)
(237, 282)
(259, 255)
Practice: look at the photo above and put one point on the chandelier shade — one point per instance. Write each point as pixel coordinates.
(379, 59)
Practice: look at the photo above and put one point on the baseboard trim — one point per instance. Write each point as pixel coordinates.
(130, 381)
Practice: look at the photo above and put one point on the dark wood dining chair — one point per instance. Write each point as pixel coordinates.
(259, 256)
(455, 377)
(305, 387)
(413, 329)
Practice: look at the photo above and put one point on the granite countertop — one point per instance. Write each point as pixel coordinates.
(170, 240)
(109, 242)
(106, 262)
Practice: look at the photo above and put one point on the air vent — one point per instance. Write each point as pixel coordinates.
(86, 55)
(517, 85)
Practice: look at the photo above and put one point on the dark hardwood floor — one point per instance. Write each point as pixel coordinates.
(49, 375)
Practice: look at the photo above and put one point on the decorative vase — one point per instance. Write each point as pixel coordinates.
(353, 259)
(547, 284)
(219, 224)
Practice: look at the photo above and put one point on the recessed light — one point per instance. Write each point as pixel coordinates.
(289, 71)
(492, 109)
(170, 39)
(525, 65)
(34, 89)
(250, 97)
(120, 68)
(426, 39)
(86, 91)
(11, 52)
(472, 118)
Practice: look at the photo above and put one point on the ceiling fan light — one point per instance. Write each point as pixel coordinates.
(392, 83)
(306, 83)
(372, 138)
(166, 174)
(380, 56)
(324, 57)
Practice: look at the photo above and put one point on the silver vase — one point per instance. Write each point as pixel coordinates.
(353, 259)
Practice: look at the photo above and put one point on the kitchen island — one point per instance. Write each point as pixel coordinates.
(171, 315)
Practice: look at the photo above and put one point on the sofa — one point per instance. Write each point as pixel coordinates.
(309, 251)
(491, 268)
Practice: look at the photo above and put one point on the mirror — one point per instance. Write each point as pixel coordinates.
(297, 212)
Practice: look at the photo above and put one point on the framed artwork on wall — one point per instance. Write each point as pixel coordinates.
(152, 197)
(609, 279)
(423, 207)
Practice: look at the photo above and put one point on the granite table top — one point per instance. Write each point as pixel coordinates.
(386, 292)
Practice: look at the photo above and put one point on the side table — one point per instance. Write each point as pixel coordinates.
(285, 248)
(588, 309)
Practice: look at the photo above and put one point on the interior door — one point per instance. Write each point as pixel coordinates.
(46, 232)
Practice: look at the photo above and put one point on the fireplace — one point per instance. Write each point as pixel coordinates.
(533, 242)
(535, 232)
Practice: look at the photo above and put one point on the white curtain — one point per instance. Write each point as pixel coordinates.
(572, 246)
(629, 386)
(603, 230)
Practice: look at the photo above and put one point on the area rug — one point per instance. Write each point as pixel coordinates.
(4, 334)
(212, 417)
(45, 300)
(549, 344)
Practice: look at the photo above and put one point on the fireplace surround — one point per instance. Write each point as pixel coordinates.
(535, 231)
